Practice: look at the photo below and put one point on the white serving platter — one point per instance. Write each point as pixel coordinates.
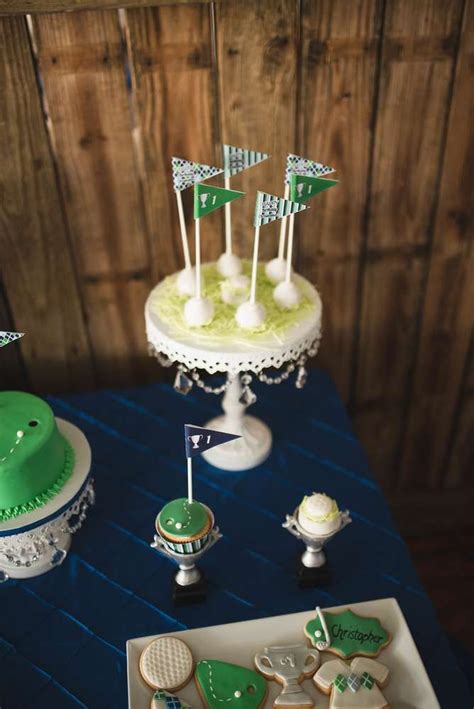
(409, 686)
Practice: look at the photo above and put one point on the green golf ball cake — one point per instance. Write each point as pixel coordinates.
(35, 459)
(184, 525)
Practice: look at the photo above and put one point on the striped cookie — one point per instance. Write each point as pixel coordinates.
(166, 663)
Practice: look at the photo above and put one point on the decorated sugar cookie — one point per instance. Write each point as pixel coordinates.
(167, 663)
(289, 665)
(164, 700)
(355, 685)
(227, 685)
(347, 634)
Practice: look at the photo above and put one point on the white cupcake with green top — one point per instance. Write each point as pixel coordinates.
(184, 525)
(318, 514)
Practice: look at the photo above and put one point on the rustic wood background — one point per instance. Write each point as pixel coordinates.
(94, 103)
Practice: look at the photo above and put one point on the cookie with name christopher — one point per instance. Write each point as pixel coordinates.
(167, 663)
(164, 700)
(222, 684)
(347, 634)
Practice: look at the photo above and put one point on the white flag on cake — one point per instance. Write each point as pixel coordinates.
(187, 173)
(7, 337)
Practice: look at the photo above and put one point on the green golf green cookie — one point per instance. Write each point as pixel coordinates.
(223, 684)
(349, 634)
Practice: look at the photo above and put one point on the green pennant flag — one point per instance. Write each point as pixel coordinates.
(207, 198)
(303, 187)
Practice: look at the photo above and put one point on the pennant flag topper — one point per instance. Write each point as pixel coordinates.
(303, 187)
(207, 198)
(198, 439)
(269, 208)
(7, 337)
(186, 173)
(238, 159)
(296, 165)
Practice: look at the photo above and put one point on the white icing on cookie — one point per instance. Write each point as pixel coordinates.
(166, 663)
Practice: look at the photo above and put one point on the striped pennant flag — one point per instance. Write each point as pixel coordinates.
(296, 165)
(7, 337)
(187, 173)
(269, 208)
(238, 159)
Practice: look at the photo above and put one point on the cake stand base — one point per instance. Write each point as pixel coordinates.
(243, 453)
(42, 565)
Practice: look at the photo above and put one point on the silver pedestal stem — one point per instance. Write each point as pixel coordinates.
(188, 572)
(314, 556)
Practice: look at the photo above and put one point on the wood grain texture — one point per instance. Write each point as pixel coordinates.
(460, 464)
(175, 107)
(339, 55)
(22, 7)
(448, 311)
(36, 264)
(82, 65)
(13, 374)
(257, 72)
(419, 49)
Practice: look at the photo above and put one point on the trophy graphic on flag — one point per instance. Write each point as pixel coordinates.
(198, 310)
(235, 160)
(268, 208)
(7, 337)
(185, 527)
(302, 188)
(186, 174)
(295, 164)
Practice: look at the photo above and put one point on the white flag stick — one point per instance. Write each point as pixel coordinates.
(182, 228)
(281, 243)
(190, 479)
(228, 221)
(253, 286)
(197, 236)
(289, 253)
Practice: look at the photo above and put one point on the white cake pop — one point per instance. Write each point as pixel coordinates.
(198, 311)
(229, 265)
(287, 295)
(276, 270)
(235, 290)
(250, 315)
(186, 281)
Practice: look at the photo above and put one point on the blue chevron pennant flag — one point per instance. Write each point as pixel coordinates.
(197, 439)
(238, 159)
(7, 337)
(187, 173)
(296, 165)
(304, 187)
(269, 208)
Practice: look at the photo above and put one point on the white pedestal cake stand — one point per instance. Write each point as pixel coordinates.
(36, 542)
(240, 357)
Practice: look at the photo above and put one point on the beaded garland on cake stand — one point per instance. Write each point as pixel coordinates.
(240, 359)
(38, 541)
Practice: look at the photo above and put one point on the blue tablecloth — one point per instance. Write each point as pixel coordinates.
(62, 635)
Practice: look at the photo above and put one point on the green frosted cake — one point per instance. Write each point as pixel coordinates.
(184, 525)
(35, 459)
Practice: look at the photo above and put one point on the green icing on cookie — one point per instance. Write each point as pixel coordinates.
(350, 634)
(35, 459)
(182, 519)
(224, 685)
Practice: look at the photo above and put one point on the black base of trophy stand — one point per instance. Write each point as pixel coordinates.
(313, 577)
(189, 595)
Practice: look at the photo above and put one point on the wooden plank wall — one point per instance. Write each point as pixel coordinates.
(95, 103)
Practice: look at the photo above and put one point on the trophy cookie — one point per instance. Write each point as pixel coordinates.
(289, 665)
(164, 700)
(223, 684)
(347, 634)
(166, 663)
(355, 685)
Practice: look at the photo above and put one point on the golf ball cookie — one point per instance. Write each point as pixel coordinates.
(167, 663)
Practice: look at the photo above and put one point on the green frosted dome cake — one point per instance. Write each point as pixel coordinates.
(35, 459)
(184, 525)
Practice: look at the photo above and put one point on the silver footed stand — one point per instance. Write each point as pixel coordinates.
(313, 559)
(188, 573)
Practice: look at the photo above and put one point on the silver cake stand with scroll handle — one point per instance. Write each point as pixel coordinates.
(38, 541)
(313, 556)
(241, 357)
